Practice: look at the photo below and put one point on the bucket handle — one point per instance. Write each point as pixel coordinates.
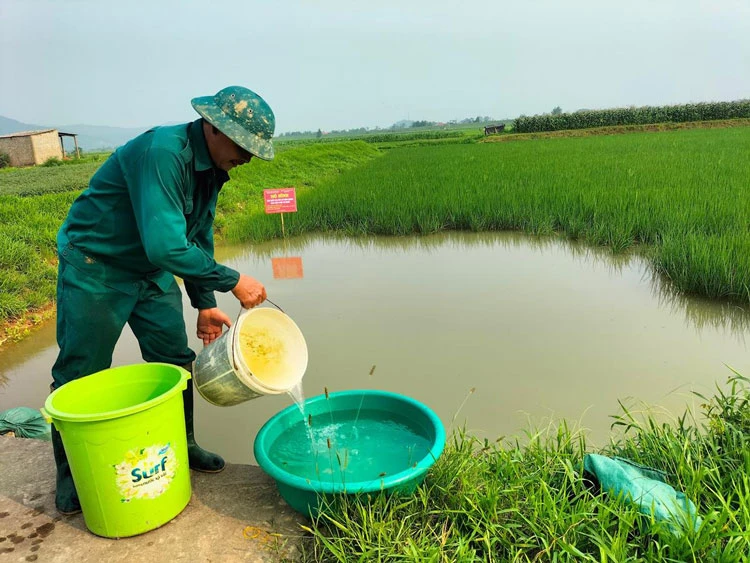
(236, 330)
(275, 305)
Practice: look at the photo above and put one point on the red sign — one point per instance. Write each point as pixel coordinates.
(280, 200)
(285, 268)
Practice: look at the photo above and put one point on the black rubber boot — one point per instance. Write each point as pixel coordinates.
(66, 497)
(199, 459)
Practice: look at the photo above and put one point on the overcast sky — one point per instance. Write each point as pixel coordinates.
(340, 64)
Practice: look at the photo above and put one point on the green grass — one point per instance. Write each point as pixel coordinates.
(395, 139)
(28, 228)
(28, 225)
(529, 499)
(382, 137)
(683, 196)
(40, 180)
(240, 208)
(28, 272)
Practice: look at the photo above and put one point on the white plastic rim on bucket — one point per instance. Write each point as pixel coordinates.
(280, 333)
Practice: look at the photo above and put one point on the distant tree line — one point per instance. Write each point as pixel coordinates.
(401, 125)
(585, 119)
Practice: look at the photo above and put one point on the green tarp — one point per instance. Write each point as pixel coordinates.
(24, 423)
(644, 487)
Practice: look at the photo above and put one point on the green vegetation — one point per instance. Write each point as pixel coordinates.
(241, 200)
(47, 179)
(401, 127)
(632, 116)
(531, 501)
(389, 137)
(28, 228)
(85, 158)
(682, 193)
(28, 260)
(4, 160)
(28, 225)
(618, 130)
(386, 137)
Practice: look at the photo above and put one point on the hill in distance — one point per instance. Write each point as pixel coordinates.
(90, 137)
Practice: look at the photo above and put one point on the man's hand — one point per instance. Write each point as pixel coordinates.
(249, 291)
(211, 324)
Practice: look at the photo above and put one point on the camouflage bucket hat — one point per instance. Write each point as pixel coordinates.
(243, 116)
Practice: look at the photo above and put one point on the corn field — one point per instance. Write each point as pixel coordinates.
(633, 116)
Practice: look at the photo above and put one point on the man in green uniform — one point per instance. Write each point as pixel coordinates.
(146, 217)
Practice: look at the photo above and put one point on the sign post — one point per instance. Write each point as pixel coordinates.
(283, 200)
(280, 200)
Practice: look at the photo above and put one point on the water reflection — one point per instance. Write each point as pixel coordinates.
(431, 244)
(729, 318)
(699, 312)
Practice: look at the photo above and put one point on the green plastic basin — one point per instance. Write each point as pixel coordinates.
(349, 442)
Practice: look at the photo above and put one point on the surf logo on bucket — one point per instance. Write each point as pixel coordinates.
(146, 473)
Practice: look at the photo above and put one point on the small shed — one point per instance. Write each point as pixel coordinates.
(27, 148)
(494, 129)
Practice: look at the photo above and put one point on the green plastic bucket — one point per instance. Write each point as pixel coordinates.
(124, 434)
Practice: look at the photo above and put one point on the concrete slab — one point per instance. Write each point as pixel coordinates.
(235, 515)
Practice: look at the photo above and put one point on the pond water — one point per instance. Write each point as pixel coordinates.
(346, 452)
(542, 329)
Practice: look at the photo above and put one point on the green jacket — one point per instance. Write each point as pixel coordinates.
(148, 215)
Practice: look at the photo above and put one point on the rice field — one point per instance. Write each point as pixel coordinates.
(682, 197)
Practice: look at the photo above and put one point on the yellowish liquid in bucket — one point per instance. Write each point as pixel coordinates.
(263, 353)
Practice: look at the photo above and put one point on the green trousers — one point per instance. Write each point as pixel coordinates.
(91, 315)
